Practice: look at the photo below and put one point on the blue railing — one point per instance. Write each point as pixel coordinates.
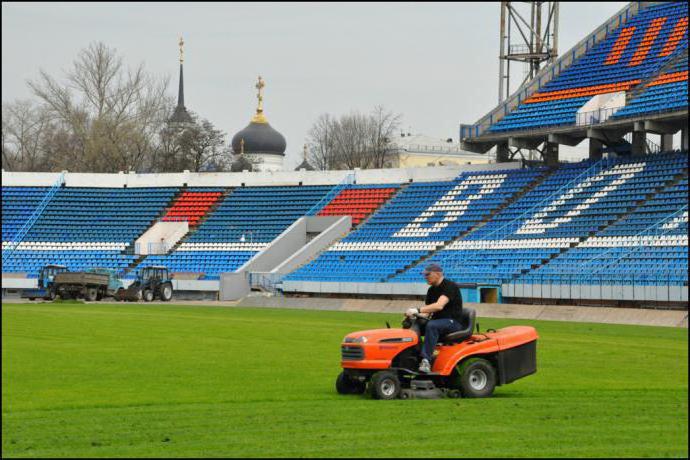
(19, 236)
(349, 179)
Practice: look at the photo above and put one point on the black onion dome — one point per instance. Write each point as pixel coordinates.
(259, 138)
(241, 164)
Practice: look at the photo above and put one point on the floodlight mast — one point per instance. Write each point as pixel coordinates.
(533, 47)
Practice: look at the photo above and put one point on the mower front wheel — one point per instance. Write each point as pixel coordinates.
(345, 385)
(385, 385)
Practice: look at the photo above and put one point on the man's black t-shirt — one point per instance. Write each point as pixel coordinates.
(453, 309)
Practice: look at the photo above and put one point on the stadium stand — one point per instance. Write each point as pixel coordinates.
(80, 227)
(628, 56)
(242, 224)
(574, 203)
(420, 219)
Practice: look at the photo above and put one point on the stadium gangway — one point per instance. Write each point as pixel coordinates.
(515, 224)
(332, 193)
(19, 236)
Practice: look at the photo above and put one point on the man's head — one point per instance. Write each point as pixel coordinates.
(433, 274)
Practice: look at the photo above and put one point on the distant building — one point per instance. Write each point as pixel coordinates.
(420, 150)
(262, 145)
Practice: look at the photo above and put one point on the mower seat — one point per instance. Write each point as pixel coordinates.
(469, 316)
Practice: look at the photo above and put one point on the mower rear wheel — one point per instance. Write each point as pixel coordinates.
(477, 378)
(345, 385)
(385, 385)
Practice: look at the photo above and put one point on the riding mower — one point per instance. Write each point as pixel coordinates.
(465, 364)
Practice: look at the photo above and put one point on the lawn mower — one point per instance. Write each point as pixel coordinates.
(465, 364)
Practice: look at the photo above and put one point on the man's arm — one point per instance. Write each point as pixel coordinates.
(436, 306)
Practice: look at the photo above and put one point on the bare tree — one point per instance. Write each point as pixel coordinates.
(113, 113)
(25, 127)
(354, 140)
(321, 143)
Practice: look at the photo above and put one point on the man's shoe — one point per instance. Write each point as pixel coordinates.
(425, 366)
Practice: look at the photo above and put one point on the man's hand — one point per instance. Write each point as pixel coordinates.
(412, 312)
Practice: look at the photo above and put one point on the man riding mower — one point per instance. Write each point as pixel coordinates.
(390, 362)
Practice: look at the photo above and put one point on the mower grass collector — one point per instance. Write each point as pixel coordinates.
(465, 364)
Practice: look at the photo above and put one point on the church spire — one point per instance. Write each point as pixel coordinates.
(181, 115)
(260, 117)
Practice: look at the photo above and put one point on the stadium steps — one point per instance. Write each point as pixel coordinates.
(362, 222)
(132, 266)
(634, 92)
(629, 210)
(384, 203)
(129, 250)
(537, 181)
(203, 219)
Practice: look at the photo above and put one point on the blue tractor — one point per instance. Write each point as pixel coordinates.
(45, 283)
(151, 283)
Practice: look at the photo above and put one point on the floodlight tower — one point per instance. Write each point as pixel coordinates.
(532, 42)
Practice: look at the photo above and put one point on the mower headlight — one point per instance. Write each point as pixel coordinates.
(360, 339)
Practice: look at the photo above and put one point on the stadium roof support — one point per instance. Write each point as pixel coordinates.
(535, 48)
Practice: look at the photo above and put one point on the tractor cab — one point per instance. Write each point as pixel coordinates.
(154, 273)
(45, 277)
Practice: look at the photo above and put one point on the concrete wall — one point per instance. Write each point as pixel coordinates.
(169, 232)
(292, 240)
(597, 292)
(132, 179)
(233, 286)
(328, 234)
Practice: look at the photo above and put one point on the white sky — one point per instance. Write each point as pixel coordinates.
(435, 63)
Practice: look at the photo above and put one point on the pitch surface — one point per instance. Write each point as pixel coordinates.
(134, 380)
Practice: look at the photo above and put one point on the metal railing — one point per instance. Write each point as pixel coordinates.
(267, 281)
(19, 236)
(347, 181)
(597, 116)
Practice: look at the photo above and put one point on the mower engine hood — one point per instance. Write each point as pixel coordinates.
(378, 335)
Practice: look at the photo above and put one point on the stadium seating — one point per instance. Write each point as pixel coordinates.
(358, 201)
(625, 58)
(575, 202)
(192, 206)
(80, 227)
(417, 220)
(242, 224)
(667, 92)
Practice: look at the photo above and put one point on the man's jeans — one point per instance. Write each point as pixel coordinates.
(434, 329)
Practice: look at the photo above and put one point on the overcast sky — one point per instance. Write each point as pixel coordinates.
(434, 63)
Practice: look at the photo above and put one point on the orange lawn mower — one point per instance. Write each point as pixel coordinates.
(466, 364)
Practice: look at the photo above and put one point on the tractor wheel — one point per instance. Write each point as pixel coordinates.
(147, 295)
(120, 295)
(166, 291)
(476, 378)
(344, 385)
(91, 294)
(384, 385)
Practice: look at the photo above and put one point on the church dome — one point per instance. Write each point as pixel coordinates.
(259, 137)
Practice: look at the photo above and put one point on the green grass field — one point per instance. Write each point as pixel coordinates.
(132, 380)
